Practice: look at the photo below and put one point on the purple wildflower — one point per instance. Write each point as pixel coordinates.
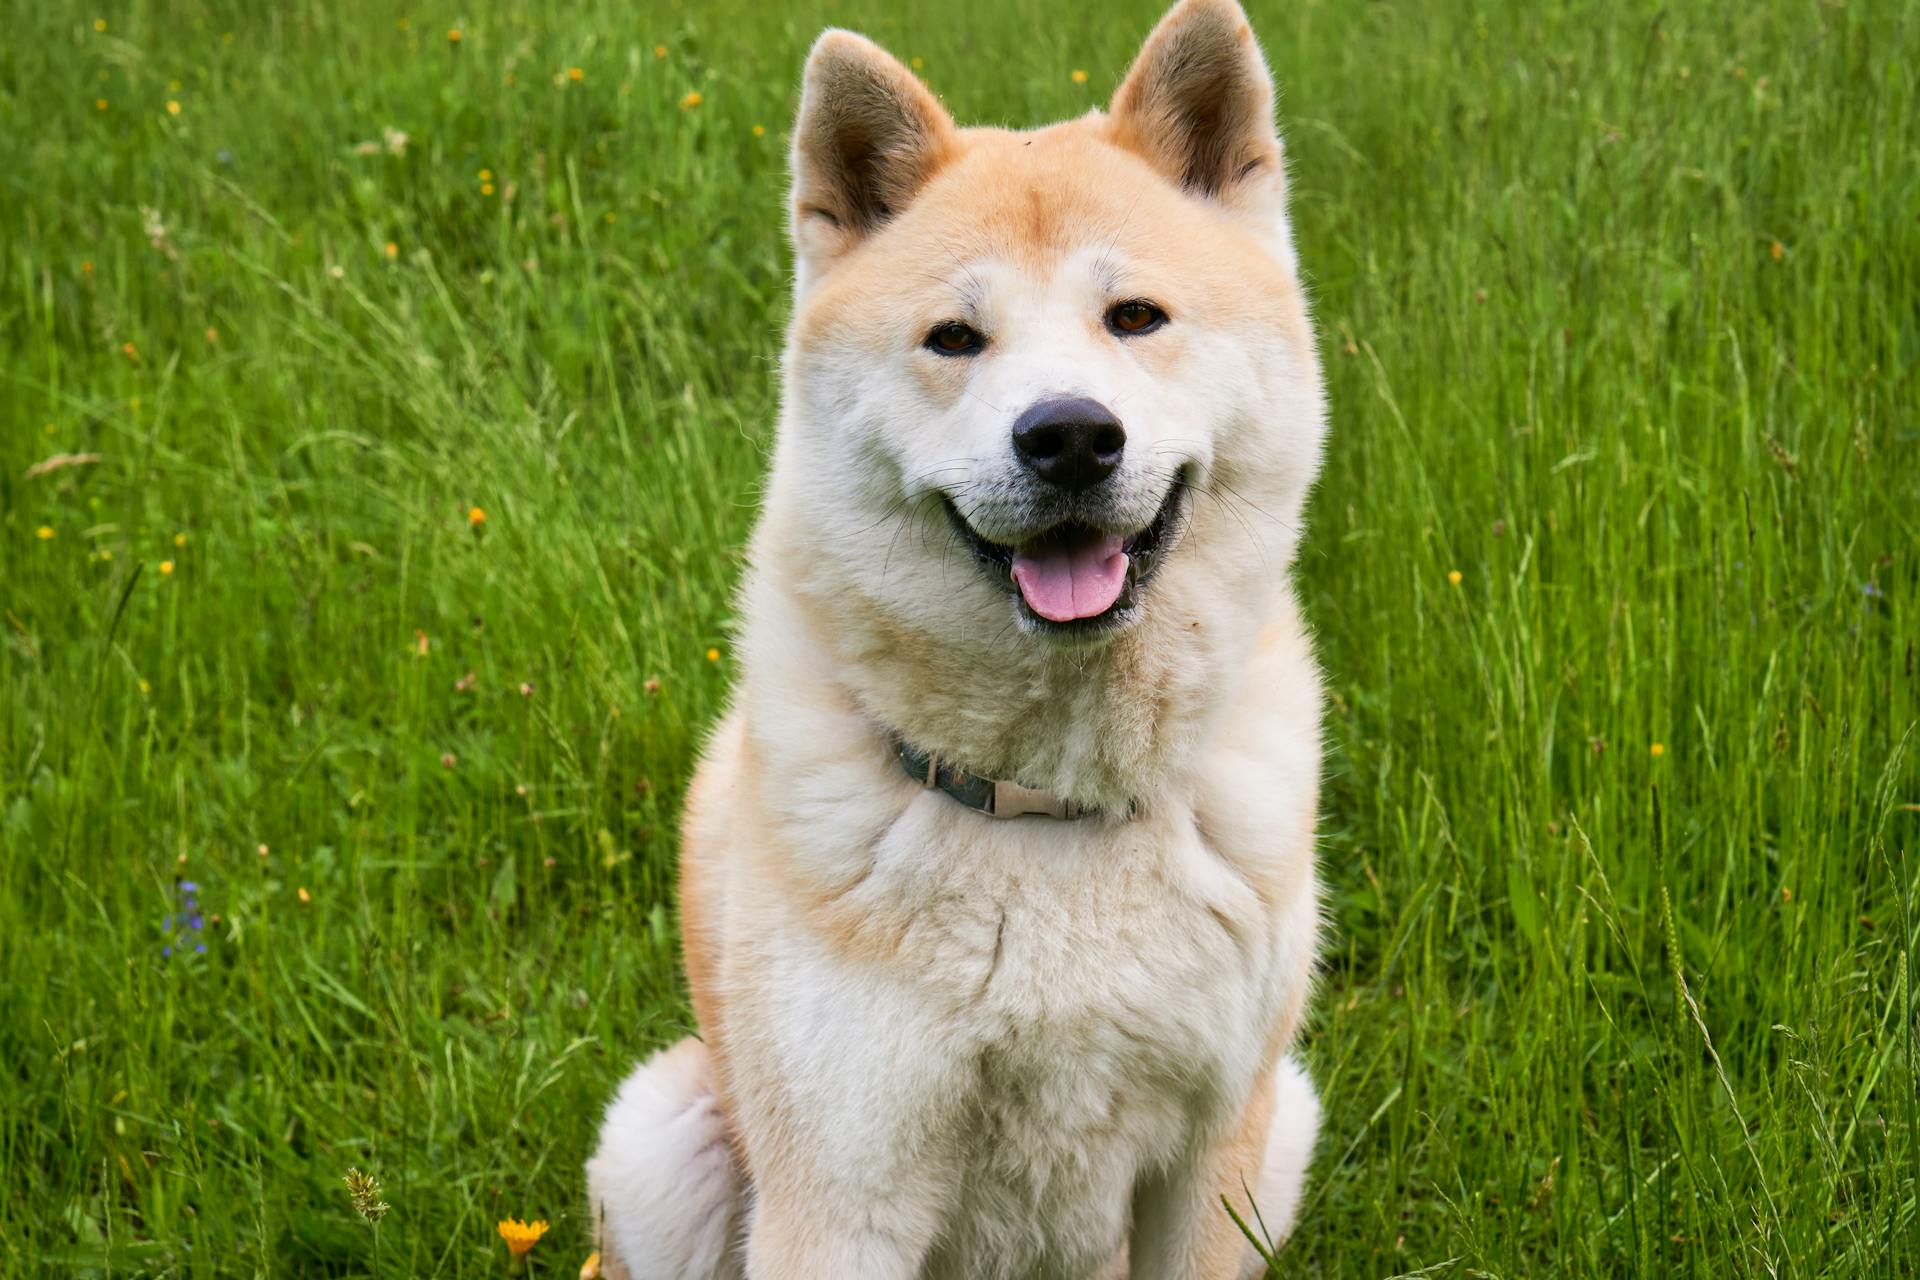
(184, 922)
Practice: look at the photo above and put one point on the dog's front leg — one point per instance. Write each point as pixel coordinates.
(1181, 1231)
(797, 1237)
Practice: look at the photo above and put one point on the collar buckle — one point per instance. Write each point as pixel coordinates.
(1011, 800)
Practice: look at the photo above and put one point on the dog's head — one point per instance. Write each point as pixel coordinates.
(1041, 386)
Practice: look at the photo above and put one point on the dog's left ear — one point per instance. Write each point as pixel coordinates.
(1198, 105)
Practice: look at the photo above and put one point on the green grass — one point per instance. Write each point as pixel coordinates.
(1621, 314)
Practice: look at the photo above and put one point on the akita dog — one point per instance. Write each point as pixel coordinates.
(998, 882)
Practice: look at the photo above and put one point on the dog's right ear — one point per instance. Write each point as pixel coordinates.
(868, 136)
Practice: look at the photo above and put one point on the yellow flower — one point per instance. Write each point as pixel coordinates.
(713, 655)
(486, 175)
(44, 532)
(590, 1269)
(179, 539)
(166, 567)
(105, 553)
(146, 689)
(99, 104)
(173, 108)
(393, 250)
(919, 64)
(759, 131)
(304, 895)
(521, 1236)
(1453, 577)
(575, 74)
(1779, 251)
(99, 24)
(476, 517)
(453, 35)
(1079, 76)
(659, 51)
(692, 100)
(486, 188)
(1658, 749)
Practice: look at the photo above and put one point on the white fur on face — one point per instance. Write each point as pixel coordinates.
(891, 428)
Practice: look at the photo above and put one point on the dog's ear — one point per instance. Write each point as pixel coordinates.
(1198, 105)
(868, 136)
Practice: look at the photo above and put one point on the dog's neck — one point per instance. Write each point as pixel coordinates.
(1099, 724)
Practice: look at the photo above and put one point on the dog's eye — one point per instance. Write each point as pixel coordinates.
(951, 338)
(1134, 317)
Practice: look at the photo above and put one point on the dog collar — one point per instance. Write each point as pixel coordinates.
(995, 797)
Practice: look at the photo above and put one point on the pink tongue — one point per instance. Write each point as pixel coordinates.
(1064, 583)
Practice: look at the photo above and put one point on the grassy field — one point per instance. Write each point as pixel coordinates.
(429, 365)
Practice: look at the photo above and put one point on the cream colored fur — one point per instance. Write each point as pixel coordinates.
(936, 1044)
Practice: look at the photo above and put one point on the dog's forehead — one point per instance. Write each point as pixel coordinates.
(1031, 203)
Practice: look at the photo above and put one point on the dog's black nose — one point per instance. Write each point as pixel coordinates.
(1074, 443)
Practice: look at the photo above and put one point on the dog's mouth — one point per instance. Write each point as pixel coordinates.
(1074, 576)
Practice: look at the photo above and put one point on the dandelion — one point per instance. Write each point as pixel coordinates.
(713, 655)
(393, 250)
(364, 1190)
(173, 107)
(1658, 749)
(99, 104)
(105, 553)
(453, 35)
(486, 175)
(476, 517)
(305, 897)
(213, 335)
(576, 75)
(486, 188)
(521, 1236)
(86, 268)
(1778, 251)
(759, 131)
(166, 567)
(44, 532)
(99, 24)
(1079, 76)
(1453, 577)
(130, 351)
(692, 100)
(918, 63)
(659, 51)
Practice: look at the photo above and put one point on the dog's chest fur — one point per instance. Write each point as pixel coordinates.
(1094, 994)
